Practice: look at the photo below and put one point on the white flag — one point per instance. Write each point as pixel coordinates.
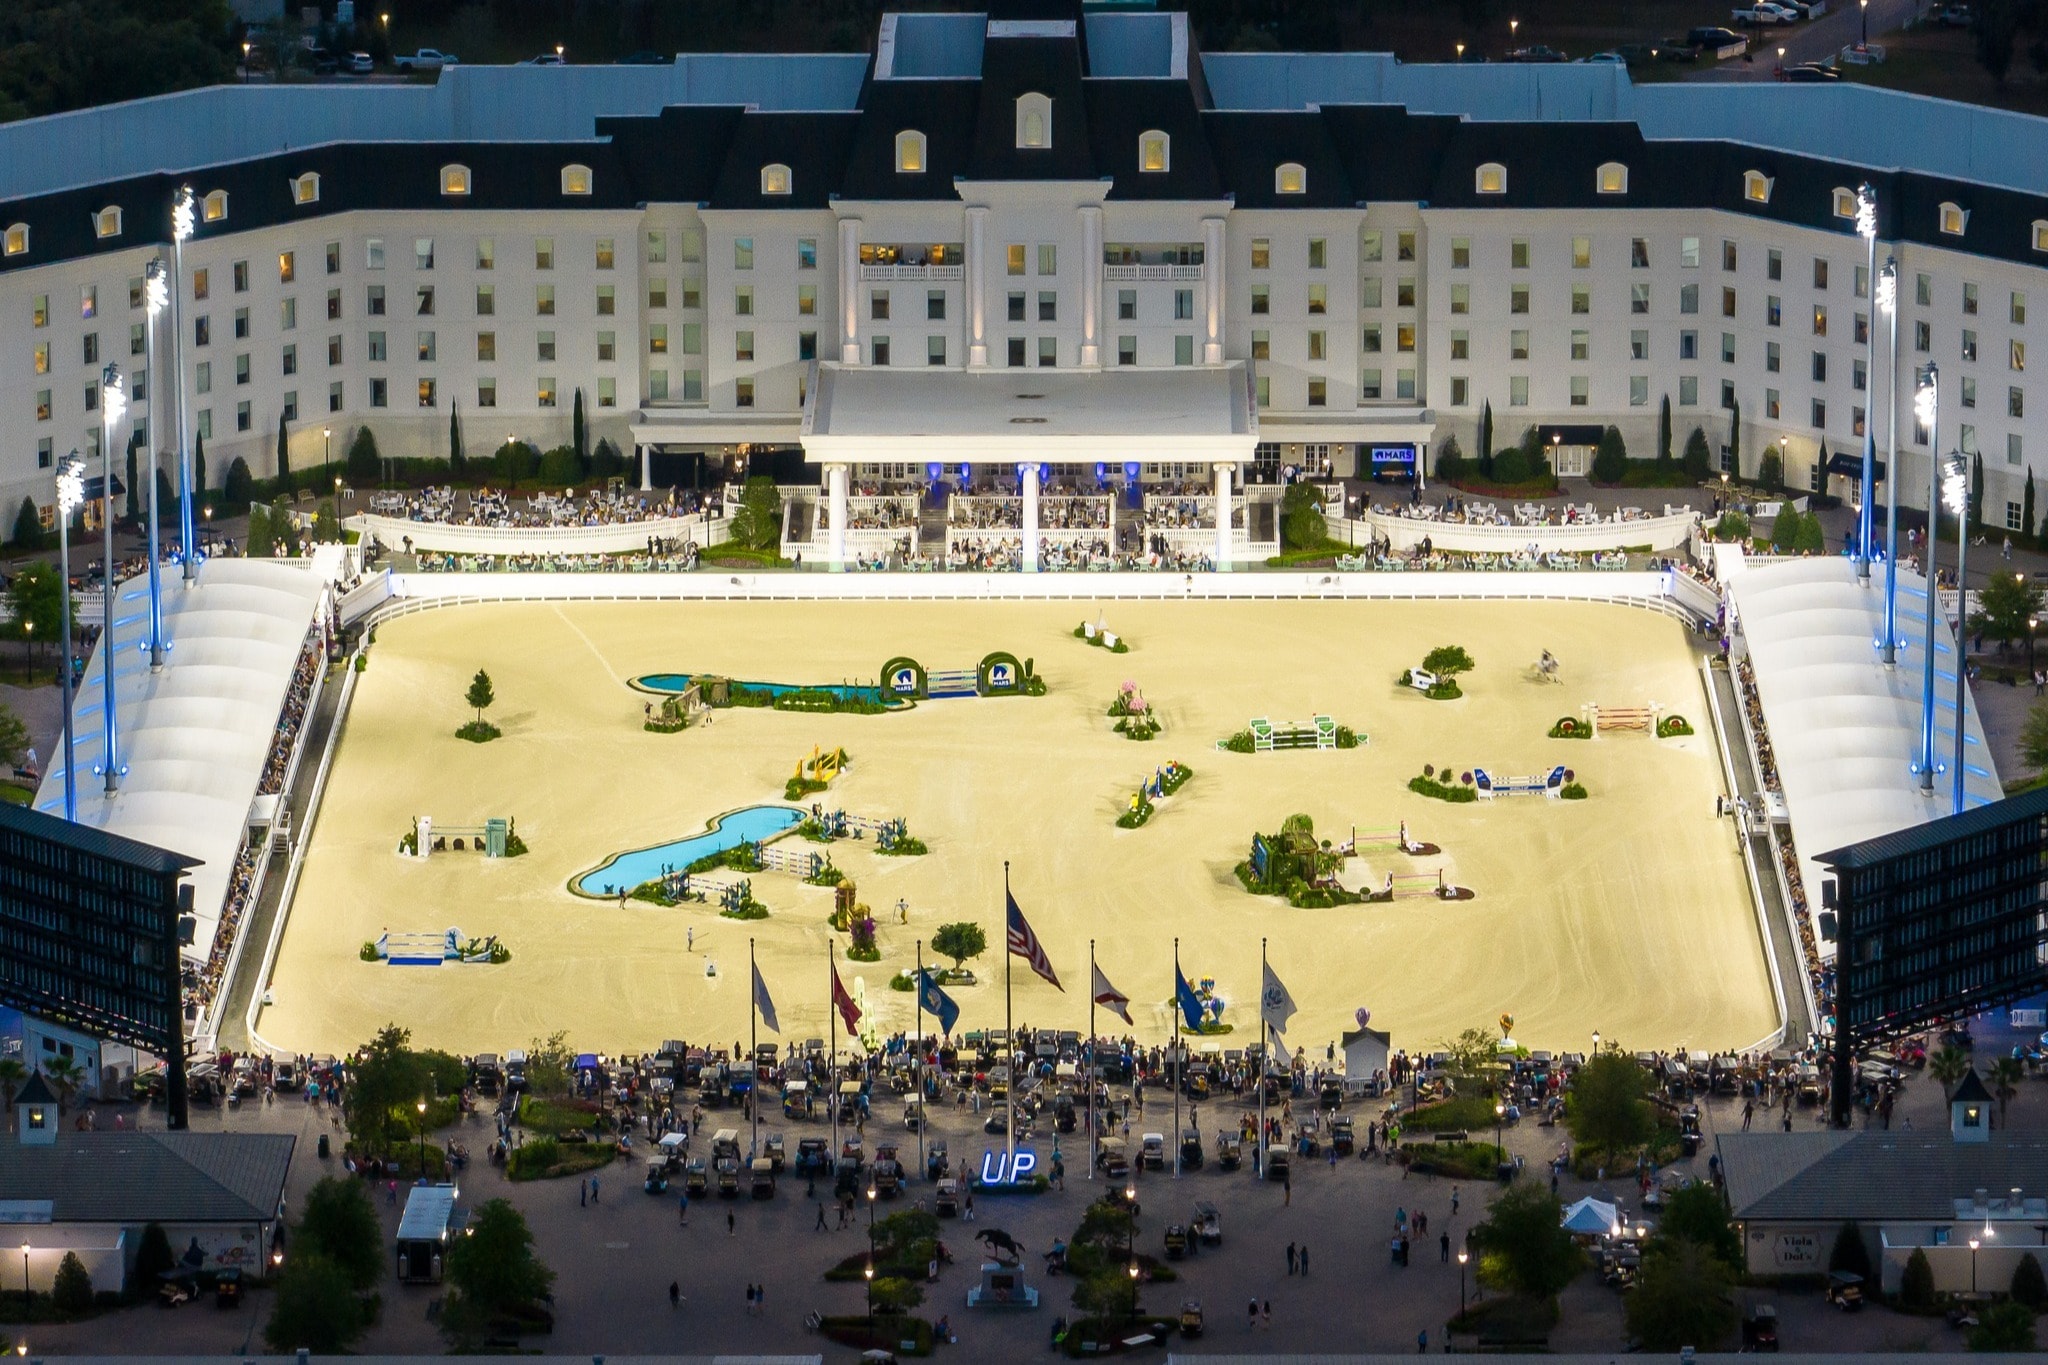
(1110, 998)
(1276, 1006)
(763, 1003)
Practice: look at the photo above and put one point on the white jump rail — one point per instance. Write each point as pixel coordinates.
(456, 538)
(1406, 533)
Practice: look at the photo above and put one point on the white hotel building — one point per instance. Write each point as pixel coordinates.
(1069, 245)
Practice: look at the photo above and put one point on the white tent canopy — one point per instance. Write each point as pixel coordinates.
(1591, 1218)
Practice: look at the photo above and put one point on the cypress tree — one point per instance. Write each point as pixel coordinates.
(579, 434)
(284, 456)
(2027, 507)
(456, 463)
(199, 466)
(1664, 431)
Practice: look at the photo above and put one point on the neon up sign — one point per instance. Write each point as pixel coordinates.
(1000, 1168)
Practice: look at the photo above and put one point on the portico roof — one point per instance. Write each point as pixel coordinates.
(990, 416)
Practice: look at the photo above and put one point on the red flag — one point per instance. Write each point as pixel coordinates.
(843, 1002)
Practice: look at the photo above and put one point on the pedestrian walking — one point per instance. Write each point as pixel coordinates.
(967, 1210)
(683, 1208)
(1422, 1342)
(1287, 1189)
(675, 1295)
(593, 1189)
(821, 1215)
(1290, 1258)
(760, 1300)
(731, 1223)
(1443, 1242)
(1454, 1201)
(583, 1193)
(1266, 1313)
(1304, 1258)
(1251, 1315)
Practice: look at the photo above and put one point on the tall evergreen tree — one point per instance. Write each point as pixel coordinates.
(1664, 431)
(2027, 507)
(579, 435)
(456, 463)
(199, 466)
(284, 456)
(1735, 436)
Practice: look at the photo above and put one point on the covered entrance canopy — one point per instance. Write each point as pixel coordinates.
(1025, 418)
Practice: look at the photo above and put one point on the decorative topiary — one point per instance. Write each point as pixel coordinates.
(1569, 728)
(1572, 791)
(1672, 727)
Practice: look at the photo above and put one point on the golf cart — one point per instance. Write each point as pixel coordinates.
(946, 1203)
(1760, 1328)
(1229, 1153)
(1845, 1290)
(776, 1149)
(1191, 1149)
(935, 1160)
(1178, 1242)
(1110, 1158)
(657, 1178)
(1191, 1317)
(813, 1155)
(1152, 1152)
(696, 1177)
(1341, 1137)
(1208, 1224)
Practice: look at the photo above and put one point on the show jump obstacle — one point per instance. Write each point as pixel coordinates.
(431, 950)
(489, 836)
(998, 675)
(1642, 718)
(1319, 733)
(1549, 784)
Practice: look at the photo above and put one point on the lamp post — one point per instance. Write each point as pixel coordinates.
(1461, 52)
(1596, 1043)
(868, 1275)
(421, 1129)
(1780, 69)
(113, 407)
(2033, 624)
(327, 445)
(1865, 6)
(245, 63)
(183, 220)
(1886, 294)
(28, 1296)
(1132, 1269)
(1500, 1113)
(1866, 228)
(1955, 491)
(70, 493)
(1927, 407)
(1973, 1265)
(1463, 1256)
(156, 289)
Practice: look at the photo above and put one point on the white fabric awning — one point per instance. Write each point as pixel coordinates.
(1590, 1217)
(1187, 413)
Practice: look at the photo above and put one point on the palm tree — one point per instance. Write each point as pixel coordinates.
(65, 1076)
(12, 1074)
(1949, 1065)
(2005, 1077)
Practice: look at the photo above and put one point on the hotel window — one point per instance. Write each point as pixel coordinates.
(807, 253)
(657, 293)
(1518, 391)
(1954, 218)
(544, 391)
(693, 386)
(1461, 298)
(1034, 122)
(42, 405)
(544, 345)
(1638, 390)
(334, 403)
(1262, 390)
(1014, 349)
(373, 253)
(1518, 253)
(606, 253)
(693, 338)
(333, 305)
(742, 345)
(1923, 290)
(1639, 298)
(1727, 255)
(423, 253)
(1461, 345)
(1518, 345)
(1689, 253)
(1048, 306)
(1290, 177)
(2015, 402)
(543, 253)
(910, 153)
(2041, 234)
(1581, 390)
(334, 258)
(240, 272)
(1318, 345)
(1048, 259)
(423, 301)
(1048, 352)
(1369, 246)
(544, 300)
(576, 180)
(486, 253)
(2012, 448)
(657, 248)
(743, 302)
(1728, 401)
(1318, 393)
(1318, 252)
(806, 345)
(1126, 350)
(1639, 253)
(42, 363)
(1820, 272)
(39, 311)
(455, 180)
(1262, 298)
(1688, 298)
(691, 246)
(1688, 345)
(1490, 178)
(1318, 298)
(241, 324)
(1969, 345)
(1613, 178)
(607, 392)
(1404, 292)
(1262, 253)
(1774, 310)
(1155, 152)
(878, 304)
(878, 351)
(1923, 336)
(657, 339)
(1461, 253)
(1015, 304)
(1262, 345)
(934, 350)
(2013, 513)
(90, 348)
(136, 346)
(1773, 409)
(214, 208)
(1369, 292)
(1688, 391)
(1461, 391)
(426, 346)
(1184, 354)
(287, 267)
(486, 300)
(1820, 367)
(289, 362)
(426, 393)
(1013, 258)
(1404, 246)
(1727, 348)
(202, 374)
(1582, 345)
(1820, 320)
(935, 305)
(1126, 305)
(743, 253)
(1820, 415)
(775, 178)
(806, 300)
(1859, 377)
(202, 331)
(1369, 340)
(17, 239)
(242, 416)
(2019, 308)
(1969, 392)
(1582, 253)
(487, 346)
(693, 293)
(1368, 384)
(1518, 299)
(1756, 187)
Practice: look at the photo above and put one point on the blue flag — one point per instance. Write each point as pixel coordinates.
(1190, 1003)
(937, 1001)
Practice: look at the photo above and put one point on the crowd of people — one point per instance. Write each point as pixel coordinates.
(1180, 512)
(1820, 974)
(292, 714)
(676, 556)
(499, 509)
(868, 512)
(1380, 556)
(1455, 509)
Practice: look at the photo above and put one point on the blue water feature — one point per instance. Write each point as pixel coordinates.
(623, 871)
(680, 682)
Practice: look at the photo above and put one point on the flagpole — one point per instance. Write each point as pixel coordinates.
(1178, 1059)
(1259, 1149)
(753, 1051)
(832, 1055)
(917, 1055)
(1088, 1053)
(1009, 1033)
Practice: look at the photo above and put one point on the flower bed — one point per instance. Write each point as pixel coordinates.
(1568, 727)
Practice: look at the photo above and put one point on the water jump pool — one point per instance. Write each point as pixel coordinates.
(678, 683)
(624, 871)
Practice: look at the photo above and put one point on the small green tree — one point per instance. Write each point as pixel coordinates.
(560, 468)
(1510, 466)
(284, 455)
(315, 1308)
(1535, 459)
(326, 525)
(199, 466)
(480, 696)
(757, 522)
(1681, 1298)
(1770, 470)
(1788, 530)
(284, 525)
(71, 1292)
(1610, 457)
(1849, 1252)
(1916, 1283)
(1698, 456)
(1699, 1214)
(513, 462)
(35, 602)
(1522, 1247)
(1485, 451)
(458, 464)
(2004, 606)
(1450, 460)
(1812, 536)
(340, 1224)
(605, 461)
(550, 1065)
(1301, 517)
(2028, 1285)
(2003, 1327)
(1732, 527)
(28, 526)
(261, 541)
(13, 737)
(1949, 1065)
(894, 1294)
(959, 941)
(492, 1271)
(1448, 661)
(153, 1255)
(363, 464)
(1664, 431)
(239, 488)
(1607, 1109)
(2034, 737)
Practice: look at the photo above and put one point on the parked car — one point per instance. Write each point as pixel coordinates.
(1760, 16)
(1714, 38)
(426, 59)
(1955, 16)
(358, 64)
(1811, 73)
(645, 58)
(1604, 59)
(1676, 50)
(1537, 52)
(317, 60)
(545, 59)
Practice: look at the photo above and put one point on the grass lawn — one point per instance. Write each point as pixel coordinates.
(1942, 62)
(14, 794)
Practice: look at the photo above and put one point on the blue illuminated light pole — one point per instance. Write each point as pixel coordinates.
(184, 218)
(1866, 228)
(70, 494)
(1927, 407)
(113, 406)
(1887, 297)
(157, 294)
(1955, 492)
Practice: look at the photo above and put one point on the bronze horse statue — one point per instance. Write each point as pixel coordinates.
(1000, 1243)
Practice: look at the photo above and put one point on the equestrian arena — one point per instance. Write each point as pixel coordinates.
(1626, 912)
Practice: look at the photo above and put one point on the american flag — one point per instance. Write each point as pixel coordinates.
(1025, 944)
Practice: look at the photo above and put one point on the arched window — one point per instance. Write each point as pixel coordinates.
(17, 239)
(1155, 151)
(1613, 178)
(2040, 236)
(455, 179)
(1034, 122)
(107, 222)
(575, 179)
(910, 152)
(1490, 178)
(1954, 219)
(1756, 187)
(775, 178)
(1290, 177)
(1845, 202)
(215, 207)
(306, 188)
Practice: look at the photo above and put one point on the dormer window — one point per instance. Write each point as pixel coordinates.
(1613, 178)
(1155, 152)
(38, 1117)
(455, 180)
(1845, 203)
(1756, 187)
(1034, 122)
(2040, 236)
(1290, 177)
(214, 209)
(1973, 1117)
(17, 239)
(775, 179)
(910, 152)
(306, 188)
(1491, 178)
(576, 179)
(1954, 218)
(107, 222)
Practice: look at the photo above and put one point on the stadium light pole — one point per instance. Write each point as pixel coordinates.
(1927, 407)
(1887, 298)
(183, 220)
(157, 293)
(1955, 492)
(70, 494)
(1866, 228)
(113, 406)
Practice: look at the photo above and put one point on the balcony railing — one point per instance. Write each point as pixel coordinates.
(1131, 274)
(911, 273)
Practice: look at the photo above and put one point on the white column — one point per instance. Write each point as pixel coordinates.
(977, 287)
(1212, 291)
(646, 468)
(1028, 477)
(849, 291)
(1223, 518)
(1091, 286)
(835, 511)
